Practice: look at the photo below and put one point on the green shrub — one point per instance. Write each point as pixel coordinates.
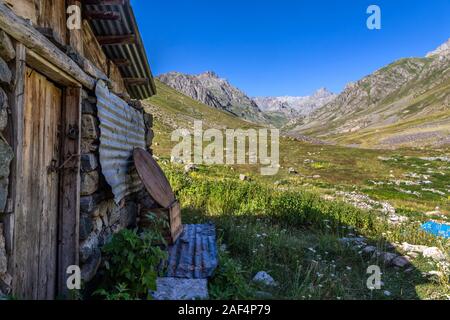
(131, 265)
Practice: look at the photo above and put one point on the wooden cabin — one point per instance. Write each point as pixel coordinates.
(65, 181)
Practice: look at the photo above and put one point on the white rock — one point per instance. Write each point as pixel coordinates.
(264, 278)
(434, 253)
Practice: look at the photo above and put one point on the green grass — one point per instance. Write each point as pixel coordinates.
(283, 225)
(295, 237)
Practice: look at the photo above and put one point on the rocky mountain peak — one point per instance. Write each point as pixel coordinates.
(442, 50)
(209, 74)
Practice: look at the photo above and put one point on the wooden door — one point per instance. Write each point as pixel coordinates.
(36, 232)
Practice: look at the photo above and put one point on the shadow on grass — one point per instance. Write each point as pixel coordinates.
(309, 260)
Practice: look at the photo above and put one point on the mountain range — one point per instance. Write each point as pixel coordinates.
(406, 103)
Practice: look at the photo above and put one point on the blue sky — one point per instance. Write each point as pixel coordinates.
(287, 47)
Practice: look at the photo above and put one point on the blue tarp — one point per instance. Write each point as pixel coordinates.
(437, 229)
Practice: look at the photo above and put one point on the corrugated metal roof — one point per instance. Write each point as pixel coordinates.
(135, 53)
(194, 255)
(121, 130)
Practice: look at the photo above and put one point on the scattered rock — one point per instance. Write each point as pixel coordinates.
(434, 253)
(369, 250)
(5, 73)
(316, 176)
(181, 289)
(177, 160)
(190, 167)
(387, 257)
(412, 248)
(352, 241)
(243, 177)
(264, 278)
(400, 262)
(292, 171)
(7, 51)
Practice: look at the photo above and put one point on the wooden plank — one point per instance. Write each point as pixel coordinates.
(136, 81)
(70, 188)
(92, 50)
(52, 14)
(17, 107)
(20, 30)
(49, 70)
(116, 40)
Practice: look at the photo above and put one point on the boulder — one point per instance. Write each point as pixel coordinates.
(180, 289)
(243, 177)
(264, 278)
(434, 253)
(400, 262)
(189, 168)
(89, 183)
(5, 73)
(7, 51)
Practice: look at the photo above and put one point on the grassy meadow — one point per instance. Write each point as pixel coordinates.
(292, 224)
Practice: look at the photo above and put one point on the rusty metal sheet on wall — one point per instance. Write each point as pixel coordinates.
(122, 130)
(194, 255)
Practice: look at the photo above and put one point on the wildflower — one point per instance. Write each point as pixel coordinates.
(349, 268)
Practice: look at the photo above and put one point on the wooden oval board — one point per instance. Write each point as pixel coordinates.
(153, 177)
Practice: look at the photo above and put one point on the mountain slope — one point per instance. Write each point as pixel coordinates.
(283, 110)
(405, 92)
(216, 92)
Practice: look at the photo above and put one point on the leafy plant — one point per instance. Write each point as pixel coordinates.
(131, 266)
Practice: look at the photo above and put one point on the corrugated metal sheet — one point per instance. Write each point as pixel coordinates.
(194, 255)
(121, 130)
(135, 53)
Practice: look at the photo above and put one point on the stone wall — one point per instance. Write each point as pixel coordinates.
(100, 217)
(7, 56)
